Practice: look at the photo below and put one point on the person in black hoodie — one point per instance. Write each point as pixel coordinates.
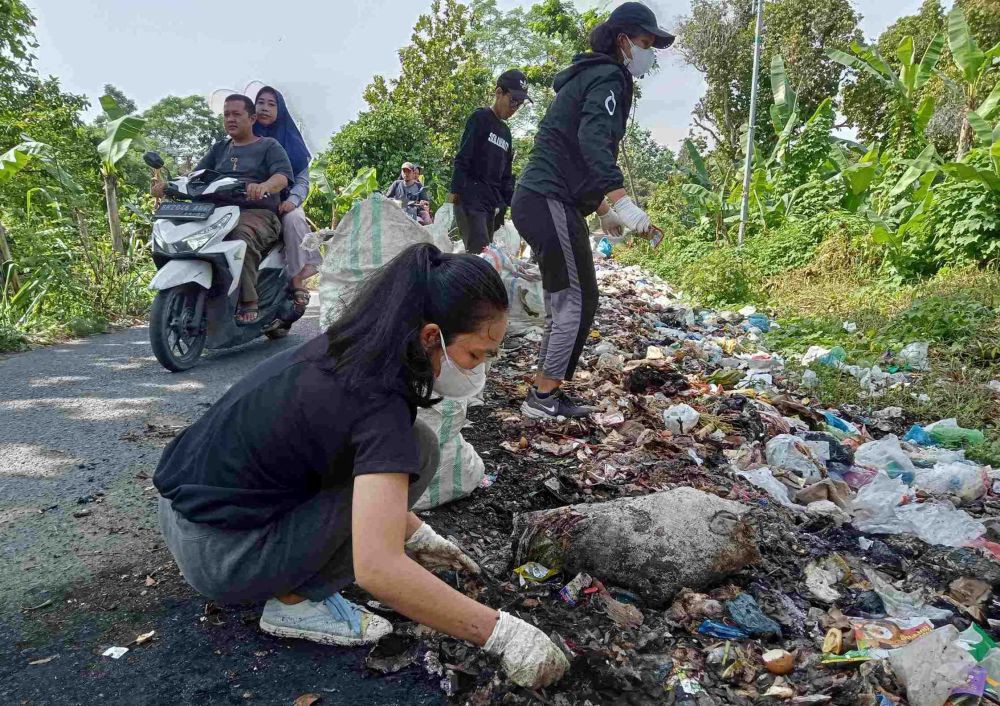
(572, 173)
(482, 183)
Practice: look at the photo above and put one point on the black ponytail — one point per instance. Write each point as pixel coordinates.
(376, 339)
(603, 38)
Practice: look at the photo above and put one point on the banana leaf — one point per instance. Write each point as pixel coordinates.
(964, 49)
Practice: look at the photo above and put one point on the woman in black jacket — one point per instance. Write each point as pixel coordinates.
(572, 173)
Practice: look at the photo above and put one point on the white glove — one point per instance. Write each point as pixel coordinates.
(631, 215)
(433, 552)
(529, 657)
(611, 224)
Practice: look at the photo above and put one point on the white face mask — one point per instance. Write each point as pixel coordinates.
(641, 61)
(455, 382)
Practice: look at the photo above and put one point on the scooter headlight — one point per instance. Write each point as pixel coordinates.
(197, 240)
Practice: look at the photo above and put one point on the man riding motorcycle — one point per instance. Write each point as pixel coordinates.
(263, 166)
(412, 194)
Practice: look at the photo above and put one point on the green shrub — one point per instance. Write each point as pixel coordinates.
(964, 223)
(719, 278)
(941, 318)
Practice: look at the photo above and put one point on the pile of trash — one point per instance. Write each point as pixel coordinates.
(713, 534)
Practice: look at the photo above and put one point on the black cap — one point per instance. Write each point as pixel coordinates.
(635, 13)
(515, 83)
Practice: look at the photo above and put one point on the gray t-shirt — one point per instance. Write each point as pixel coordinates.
(407, 194)
(251, 164)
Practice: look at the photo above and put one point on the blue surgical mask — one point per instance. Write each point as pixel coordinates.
(641, 62)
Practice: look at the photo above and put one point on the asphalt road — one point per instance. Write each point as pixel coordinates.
(82, 425)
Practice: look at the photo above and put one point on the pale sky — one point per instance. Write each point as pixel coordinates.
(321, 55)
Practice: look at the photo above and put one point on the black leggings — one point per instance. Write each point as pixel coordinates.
(560, 239)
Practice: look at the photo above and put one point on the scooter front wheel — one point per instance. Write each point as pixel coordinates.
(177, 326)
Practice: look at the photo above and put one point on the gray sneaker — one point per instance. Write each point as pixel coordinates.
(558, 404)
(334, 621)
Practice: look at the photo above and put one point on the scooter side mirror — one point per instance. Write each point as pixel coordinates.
(153, 160)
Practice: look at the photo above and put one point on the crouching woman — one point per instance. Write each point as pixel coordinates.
(299, 480)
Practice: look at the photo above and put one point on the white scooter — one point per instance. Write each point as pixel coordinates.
(198, 273)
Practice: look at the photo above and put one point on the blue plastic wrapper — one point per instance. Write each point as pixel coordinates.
(917, 435)
(836, 355)
(747, 614)
(605, 247)
(839, 424)
(759, 321)
(720, 630)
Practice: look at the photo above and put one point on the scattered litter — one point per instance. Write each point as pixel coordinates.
(681, 419)
(43, 660)
(747, 615)
(307, 699)
(572, 591)
(144, 638)
(932, 667)
(534, 572)
(916, 355)
(721, 630)
(114, 652)
(822, 576)
(779, 661)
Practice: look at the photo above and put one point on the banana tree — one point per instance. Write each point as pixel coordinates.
(364, 183)
(908, 82)
(11, 162)
(975, 65)
(708, 198)
(121, 131)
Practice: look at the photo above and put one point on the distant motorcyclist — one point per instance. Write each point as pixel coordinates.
(263, 166)
(411, 193)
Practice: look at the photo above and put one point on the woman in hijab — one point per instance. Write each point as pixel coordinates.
(273, 120)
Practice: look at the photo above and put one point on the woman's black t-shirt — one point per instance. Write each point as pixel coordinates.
(279, 435)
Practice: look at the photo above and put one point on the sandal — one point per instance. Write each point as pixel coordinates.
(243, 311)
(301, 298)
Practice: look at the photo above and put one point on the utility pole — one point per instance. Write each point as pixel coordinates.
(748, 168)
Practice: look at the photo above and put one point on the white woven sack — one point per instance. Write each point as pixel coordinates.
(460, 470)
(373, 232)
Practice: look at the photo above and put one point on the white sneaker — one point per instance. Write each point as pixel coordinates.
(333, 621)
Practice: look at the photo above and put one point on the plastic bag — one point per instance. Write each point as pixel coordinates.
(919, 436)
(791, 453)
(931, 667)
(877, 509)
(765, 480)
(524, 289)
(508, 238)
(941, 523)
(900, 604)
(681, 418)
(966, 481)
(442, 226)
(874, 507)
(947, 433)
(886, 455)
(916, 355)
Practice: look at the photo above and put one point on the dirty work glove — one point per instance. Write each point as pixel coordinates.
(611, 224)
(631, 215)
(529, 657)
(432, 551)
